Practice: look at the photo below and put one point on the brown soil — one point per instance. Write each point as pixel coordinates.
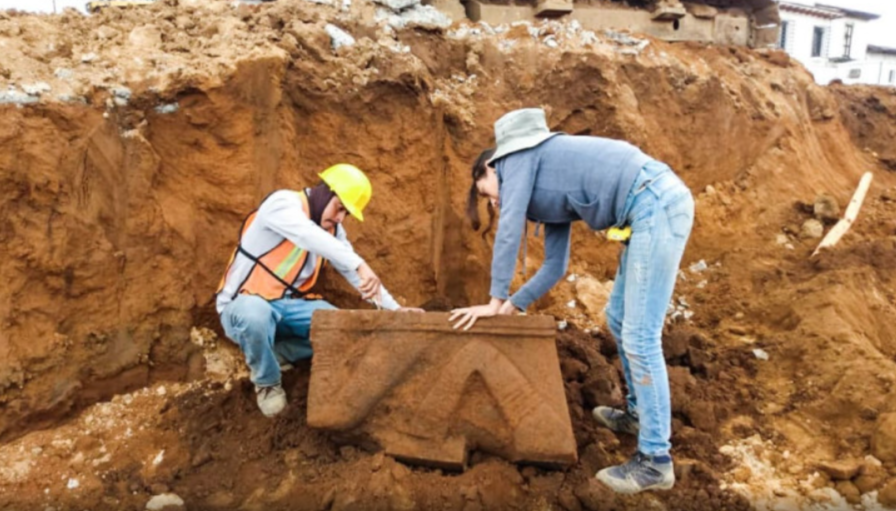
(118, 220)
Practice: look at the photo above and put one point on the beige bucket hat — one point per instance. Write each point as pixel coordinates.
(519, 130)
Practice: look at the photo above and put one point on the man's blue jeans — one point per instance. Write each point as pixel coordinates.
(660, 211)
(261, 327)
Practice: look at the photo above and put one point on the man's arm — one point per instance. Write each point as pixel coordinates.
(351, 275)
(283, 213)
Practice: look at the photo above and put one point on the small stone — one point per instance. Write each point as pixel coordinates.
(826, 209)
(887, 495)
(849, 492)
(760, 354)
(782, 239)
(87, 58)
(571, 304)
(562, 325)
(699, 266)
(572, 278)
(168, 108)
(737, 330)
(398, 5)
(122, 92)
(811, 229)
(159, 502)
(338, 37)
(72, 484)
(883, 440)
(36, 89)
(843, 470)
(710, 190)
(871, 477)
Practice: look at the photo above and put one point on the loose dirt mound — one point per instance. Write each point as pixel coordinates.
(206, 443)
(132, 144)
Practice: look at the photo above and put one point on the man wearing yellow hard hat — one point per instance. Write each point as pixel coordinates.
(265, 299)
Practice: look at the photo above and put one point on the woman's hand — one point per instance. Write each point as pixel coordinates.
(370, 283)
(468, 315)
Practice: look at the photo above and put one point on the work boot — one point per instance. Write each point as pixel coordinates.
(638, 474)
(271, 400)
(616, 420)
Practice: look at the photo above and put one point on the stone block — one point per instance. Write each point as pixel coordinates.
(425, 393)
(552, 8)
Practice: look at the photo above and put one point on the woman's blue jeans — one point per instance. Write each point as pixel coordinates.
(660, 211)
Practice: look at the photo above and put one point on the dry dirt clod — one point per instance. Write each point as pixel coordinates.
(842, 470)
(812, 229)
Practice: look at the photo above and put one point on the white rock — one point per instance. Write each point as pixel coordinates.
(423, 16)
(338, 37)
(72, 484)
(562, 325)
(159, 457)
(161, 391)
(760, 354)
(571, 304)
(164, 500)
(36, 89)
(572, 278)
(782, 239)
(89, 57)
(398, 5)
(699, 266)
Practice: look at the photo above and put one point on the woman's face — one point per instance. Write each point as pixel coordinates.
(488, 186)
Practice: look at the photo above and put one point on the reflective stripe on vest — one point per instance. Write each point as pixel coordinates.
(276, 271)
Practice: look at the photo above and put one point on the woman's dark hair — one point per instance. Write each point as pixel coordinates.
(479, 171)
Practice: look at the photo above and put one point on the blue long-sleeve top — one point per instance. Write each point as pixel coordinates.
(562, 180)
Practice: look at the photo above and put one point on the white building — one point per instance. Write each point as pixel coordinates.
(881, 66)
(831, 42)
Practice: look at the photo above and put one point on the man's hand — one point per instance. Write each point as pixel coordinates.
(411, 309)
(467, 316)
(370, 283)
(508, 309)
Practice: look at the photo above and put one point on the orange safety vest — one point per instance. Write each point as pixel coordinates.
(275, 272)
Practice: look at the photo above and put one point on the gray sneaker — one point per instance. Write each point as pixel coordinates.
(639, 474)
(616, 420)
(271, 400)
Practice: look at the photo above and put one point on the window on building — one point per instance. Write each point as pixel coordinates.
(893, 76)
(817, 41)
(782, 39)
(847, 40)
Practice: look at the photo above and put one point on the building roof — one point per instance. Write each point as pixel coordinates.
(881, 49)
(817, 11)
(852, 13)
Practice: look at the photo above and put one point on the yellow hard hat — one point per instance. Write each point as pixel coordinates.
(351, 186)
